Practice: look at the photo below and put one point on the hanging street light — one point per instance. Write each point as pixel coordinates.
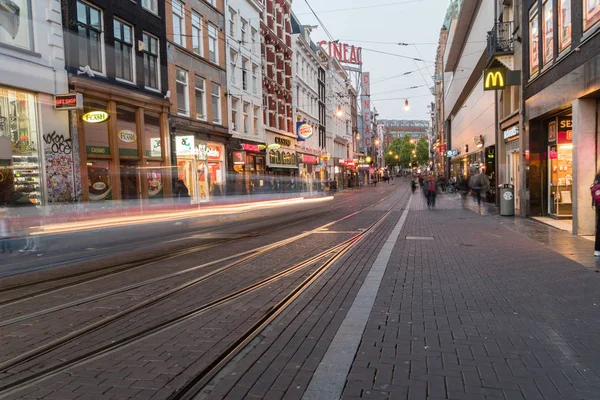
(339, 112)
(406, 106)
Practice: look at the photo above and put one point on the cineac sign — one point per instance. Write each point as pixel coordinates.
(344, 52)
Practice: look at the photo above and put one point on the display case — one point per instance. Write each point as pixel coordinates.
(560, 165)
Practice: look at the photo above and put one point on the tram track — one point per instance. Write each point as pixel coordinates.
(335, 252)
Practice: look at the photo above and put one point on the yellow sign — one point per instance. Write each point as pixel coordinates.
(494, 78)
(95, 117)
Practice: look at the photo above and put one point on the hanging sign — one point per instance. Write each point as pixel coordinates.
(239, 157)
(511, 132)
(69, 101)
(303, 130)
(95, 117)
(184, 145)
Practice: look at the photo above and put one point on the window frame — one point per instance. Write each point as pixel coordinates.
(132, 49)
(155, 2)
(197, 26)
(534, 51)
(181, 41)
(253, 38)
(235, 101)
(254, 78)
(219, 120)
(547, 58)
(101, 36)
(198, 78)
(186, 93)
(233, 64)
(245, 74)
(595, 20)
(564, 42)
(244, 31)
(232, 22)
(246, 115)
(147, 51)
(216, 42)
(256, 119)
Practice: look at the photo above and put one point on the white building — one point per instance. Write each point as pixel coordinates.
(36, 154)
(305, 103)
(244, 88)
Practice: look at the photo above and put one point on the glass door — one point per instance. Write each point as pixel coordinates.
(560, 174)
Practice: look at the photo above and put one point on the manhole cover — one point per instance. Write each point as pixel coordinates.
(419, 238)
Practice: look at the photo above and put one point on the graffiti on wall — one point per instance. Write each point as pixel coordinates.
(59, 168)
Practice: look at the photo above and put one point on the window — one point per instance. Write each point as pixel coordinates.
(124, 58)
(215, 94)
(211, 2)
(235, 103)
(254, 78)
(254, 39)
(151, 64)
(591, 13)
(548, 54)
(246, 119)
(232, 18)
(91, 41)
(534, 41)
(181, 79)
(178, 23)
(233, 62)
(244, 74)
(200, 89)
(197, 42)
(564, 24)
(16, 24)
(256, 120)
(213, 43)
(150, 5)
(244, 25)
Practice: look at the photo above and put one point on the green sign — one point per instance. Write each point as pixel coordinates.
(98, 150)
(128, 152)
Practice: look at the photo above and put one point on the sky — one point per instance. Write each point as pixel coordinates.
(387, 22)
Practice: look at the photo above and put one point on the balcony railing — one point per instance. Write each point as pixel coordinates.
(500, 40)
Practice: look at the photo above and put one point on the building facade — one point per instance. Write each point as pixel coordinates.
(305, 101)
(36, 147)
(561, 78)
(198, 87)
(247, 165)
(117, 60)
(276, 50)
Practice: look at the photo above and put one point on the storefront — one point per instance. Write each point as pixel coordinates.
(282, 163)
(248, 162)
(309, 172)
(560, 167)
(512, 160)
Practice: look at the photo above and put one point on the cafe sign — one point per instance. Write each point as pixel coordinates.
(95, 117)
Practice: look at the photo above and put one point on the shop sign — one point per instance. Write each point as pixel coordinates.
(69, 101)
(283, 142)
(494, 78)
(214, 154)
(155, 147)
(511, 132)
(126, 136)
(202, 152)
(99, 186)
(451, 153)
(309, 159)
(184, 145)
(98, 150)
(478, 140)
(95, 117)
(552, 131)
(343, 52)
(251, 147)
(239, 157)
(303, 130)
(565, 130)
(283, 158)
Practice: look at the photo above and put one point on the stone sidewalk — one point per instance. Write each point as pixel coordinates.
(478, 307)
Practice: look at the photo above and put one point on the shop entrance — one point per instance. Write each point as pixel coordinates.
(512, 166)
(129, 181)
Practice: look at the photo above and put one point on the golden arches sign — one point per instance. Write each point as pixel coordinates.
(494, 78)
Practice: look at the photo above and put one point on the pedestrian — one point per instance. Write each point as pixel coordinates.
(413, 185)
(431, 189)
(479, 182)
(29, 219)
(596, 204)
(181, 192)
(5, 231)
(463, 188)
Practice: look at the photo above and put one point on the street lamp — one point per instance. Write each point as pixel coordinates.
(406, 106)
(339, 112)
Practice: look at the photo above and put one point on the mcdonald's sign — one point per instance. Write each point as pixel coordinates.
(494, 78)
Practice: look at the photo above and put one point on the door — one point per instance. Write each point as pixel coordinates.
(129, 181)
(514, 177)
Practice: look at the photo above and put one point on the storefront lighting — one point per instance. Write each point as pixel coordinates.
(274, 146)
(565, 146)
(262, 147)
(95, 117)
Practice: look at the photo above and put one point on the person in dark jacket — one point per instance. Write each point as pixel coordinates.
(181, 192)
(431, 187)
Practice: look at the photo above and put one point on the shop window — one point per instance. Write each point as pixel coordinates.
(19, 147)
(151, 62)
(96, 134)
(126, 131)
(197, 41)
(591, 13)
(150, 5)
(99, 182)
(213, 43)
(534, 41)
(181, 79)
(548, 53)
(91, 38)
(16, 24)
(216, 103)
(178, 22)
(564, 24)
(154, 176)
(124, 58)
(200, 93)
(152, 139)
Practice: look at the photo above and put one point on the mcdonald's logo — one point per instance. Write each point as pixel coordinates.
(494, 78)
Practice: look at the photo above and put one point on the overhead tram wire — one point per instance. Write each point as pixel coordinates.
(365, 7)
(320, 22)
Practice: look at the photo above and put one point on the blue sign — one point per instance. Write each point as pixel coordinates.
(304, 131)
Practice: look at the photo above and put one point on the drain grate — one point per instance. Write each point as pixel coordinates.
(419, 237)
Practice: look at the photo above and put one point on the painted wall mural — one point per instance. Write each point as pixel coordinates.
(59, 168)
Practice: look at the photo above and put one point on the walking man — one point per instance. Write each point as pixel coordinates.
(431, 190)
(479, 182)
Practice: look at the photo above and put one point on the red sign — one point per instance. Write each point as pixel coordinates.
(309, 159)
(442, 149)
(251, 147)
(238, 157)
(565, 130)
(343, 52)
(69, 101)
(214, 153)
